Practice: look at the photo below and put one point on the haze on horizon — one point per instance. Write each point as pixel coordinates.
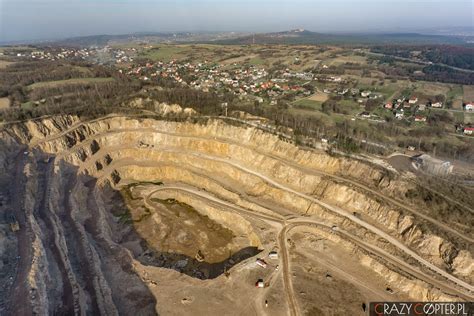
(52, 19)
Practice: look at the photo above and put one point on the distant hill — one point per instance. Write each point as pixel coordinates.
(307, 37)
(298, 36)
(102, 40)
(150, 37)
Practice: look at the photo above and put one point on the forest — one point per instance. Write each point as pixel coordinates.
(455, 56)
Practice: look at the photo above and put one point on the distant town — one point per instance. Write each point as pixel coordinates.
(255, 83)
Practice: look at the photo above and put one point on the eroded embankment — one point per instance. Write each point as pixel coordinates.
(260, 173)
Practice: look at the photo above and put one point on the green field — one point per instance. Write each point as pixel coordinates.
(340, 60)
(468, 93)
(27, 105)
(351, 106)
(308, 104)
(165, 53)
(455, 95)
(257, 61)
(468, 118)
(458, 117)
(75, 81)
(313, 113)
(432, 88)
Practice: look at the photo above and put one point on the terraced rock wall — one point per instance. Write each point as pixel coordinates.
(245, 167)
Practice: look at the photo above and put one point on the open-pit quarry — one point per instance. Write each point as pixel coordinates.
(138, 216)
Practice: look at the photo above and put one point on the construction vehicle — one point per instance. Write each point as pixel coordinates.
(261, 263)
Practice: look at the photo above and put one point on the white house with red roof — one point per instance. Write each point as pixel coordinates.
(420, 118)
(469, 131)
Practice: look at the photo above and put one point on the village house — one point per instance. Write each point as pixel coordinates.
(365, 94)
(389, 105)
(469, 131)
(343, 92)
(421, 107)
(273, 255)
(355, 91)
(413, 100)
(437, 105)
(469, 107)
(260, 284)
(420, 118)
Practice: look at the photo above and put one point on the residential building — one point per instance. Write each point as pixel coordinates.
(413, 100)
(469, 131)
(365, 94)
(273, 255)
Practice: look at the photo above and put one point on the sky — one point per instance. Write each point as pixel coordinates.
(53, 19)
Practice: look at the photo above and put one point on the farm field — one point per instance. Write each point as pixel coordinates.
(305, 112)
(293, 57)
(83, 81)
(340, 60)
(165, 53)
(430, 88)
(319, 97)
(455, 95)
(468, 118)
(4, 103)
(308, 104)
(4, 63)
(468, 93)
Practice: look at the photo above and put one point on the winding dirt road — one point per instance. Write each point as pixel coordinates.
(295, 221)
(389, 200)
(289, 223)
(334, 209)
